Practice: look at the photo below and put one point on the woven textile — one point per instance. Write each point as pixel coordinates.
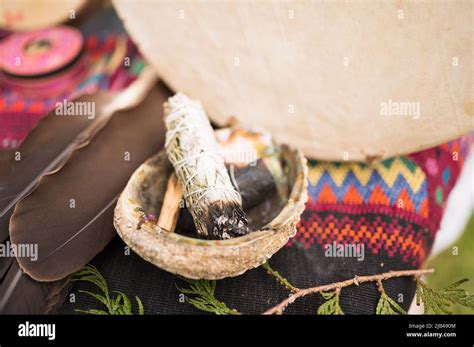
(20, 110)
(393, 206)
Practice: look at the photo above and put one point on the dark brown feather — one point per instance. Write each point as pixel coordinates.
(51, 143)
(68, 237)
(5, 264)
(42, 151)
(19, 294)
(44, 145)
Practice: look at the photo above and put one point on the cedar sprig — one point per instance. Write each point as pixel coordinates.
(331, 305)
(439, 301)
(200, 294)
(282, 280)
(120, 305)
(386, 304)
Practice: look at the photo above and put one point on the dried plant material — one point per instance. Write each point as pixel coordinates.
(254, 182)
(191, 146)
(210, 259)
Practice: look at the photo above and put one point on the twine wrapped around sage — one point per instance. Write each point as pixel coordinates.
(191, 146)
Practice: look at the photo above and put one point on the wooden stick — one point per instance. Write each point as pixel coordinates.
(170, 209)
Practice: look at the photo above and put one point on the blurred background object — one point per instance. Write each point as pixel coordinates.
(27, 15)
(337, 79)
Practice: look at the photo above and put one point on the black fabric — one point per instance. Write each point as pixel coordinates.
(253, 292)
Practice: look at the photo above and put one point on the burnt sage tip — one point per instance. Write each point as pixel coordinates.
(226, 220)
(214, 203)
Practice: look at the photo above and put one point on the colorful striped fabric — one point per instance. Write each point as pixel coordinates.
(393, 206)
(20, 110)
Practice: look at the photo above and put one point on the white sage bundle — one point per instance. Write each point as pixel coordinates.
(191, 146)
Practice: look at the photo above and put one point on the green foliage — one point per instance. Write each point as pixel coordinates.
(141, 309)
(200, 294)
(331, 305)
(279, 277)
(387, 305)
(459, 257)
(440, 301)
(120, 305)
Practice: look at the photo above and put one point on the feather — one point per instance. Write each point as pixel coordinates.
(35, 154)
(69, 215)
(21, 168)
(41, 155)
(23, 295)
(46, 144)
